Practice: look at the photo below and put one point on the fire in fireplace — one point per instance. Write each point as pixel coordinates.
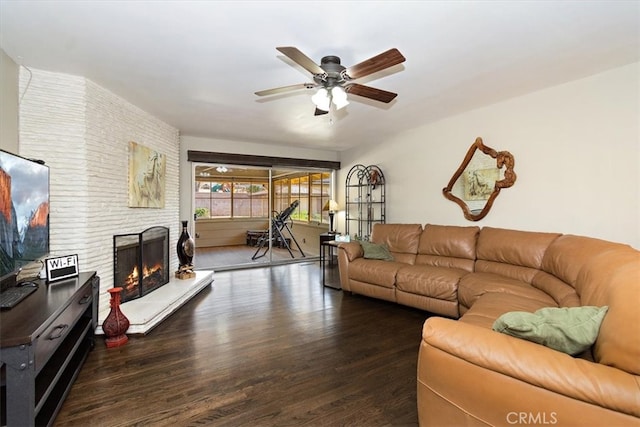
(141, 262)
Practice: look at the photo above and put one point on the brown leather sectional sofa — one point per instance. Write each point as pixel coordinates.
(470, 375)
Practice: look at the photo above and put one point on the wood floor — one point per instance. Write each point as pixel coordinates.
(261, 347)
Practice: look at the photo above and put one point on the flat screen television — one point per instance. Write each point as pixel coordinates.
(24, 213)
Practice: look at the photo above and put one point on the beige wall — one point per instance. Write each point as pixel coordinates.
(577, 157)
(8, 103)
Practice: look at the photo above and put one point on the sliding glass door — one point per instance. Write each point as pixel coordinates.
(251, 216)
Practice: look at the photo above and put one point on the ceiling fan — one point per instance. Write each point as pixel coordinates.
(335, 80)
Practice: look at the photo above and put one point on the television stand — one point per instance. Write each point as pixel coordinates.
(9, 280)
(44, 341)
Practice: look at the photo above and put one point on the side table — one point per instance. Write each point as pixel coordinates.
(327, 243)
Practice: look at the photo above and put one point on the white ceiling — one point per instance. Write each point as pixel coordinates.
(196, 64)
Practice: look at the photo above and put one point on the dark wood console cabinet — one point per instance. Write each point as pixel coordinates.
(45, 340)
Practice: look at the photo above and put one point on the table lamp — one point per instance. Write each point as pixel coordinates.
(332, 207)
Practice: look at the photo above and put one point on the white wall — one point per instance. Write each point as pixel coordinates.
(82, 132)
(577, 158)
(233, 147)
(8, 103)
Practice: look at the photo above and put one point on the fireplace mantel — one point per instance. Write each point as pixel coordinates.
(147, 312)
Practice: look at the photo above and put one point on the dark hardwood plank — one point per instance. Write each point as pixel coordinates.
(262, 347)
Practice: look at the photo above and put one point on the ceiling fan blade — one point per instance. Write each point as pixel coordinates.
(377, 63)
(320, 112)
(370, 92)
(301, 59)
(285, 89)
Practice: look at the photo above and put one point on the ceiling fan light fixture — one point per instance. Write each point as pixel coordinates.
(341, 104)
(330, 76)
(339, 97)
(321, 99)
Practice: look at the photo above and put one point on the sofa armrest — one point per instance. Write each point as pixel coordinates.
(352, 250)
(347, 252)
(532, 364)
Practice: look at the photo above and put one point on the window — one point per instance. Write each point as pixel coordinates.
(232, 199)
(300, 192)
(312, 190)
(250, 199)
(319, 184)
(246, 195)
(281, 194)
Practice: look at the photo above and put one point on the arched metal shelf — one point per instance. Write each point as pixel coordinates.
(365, 202)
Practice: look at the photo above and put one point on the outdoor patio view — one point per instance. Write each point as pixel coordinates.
(249, 198)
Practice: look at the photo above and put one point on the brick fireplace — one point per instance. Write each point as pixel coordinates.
(141, 262)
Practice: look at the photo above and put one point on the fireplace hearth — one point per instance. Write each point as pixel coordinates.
(141, 262)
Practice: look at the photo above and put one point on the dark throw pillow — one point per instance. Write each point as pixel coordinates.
(375, 251)
(571, 330)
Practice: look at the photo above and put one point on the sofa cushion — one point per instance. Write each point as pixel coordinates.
(445, 262)
(492, 305)
(563, 260)
(567, 254)
(570, 330)
(435, 282)
(373, 291)
(374, 271)
(563, 294)
(473, 285)
(512, 253)
(401, 239)
(375, 251)
(437, 306)
(448, 246)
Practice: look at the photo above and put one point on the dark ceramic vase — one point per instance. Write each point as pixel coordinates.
(116, 323)
(185, 247)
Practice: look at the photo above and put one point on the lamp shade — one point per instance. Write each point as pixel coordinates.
(321, 99)
(339, 97)
(331, 206)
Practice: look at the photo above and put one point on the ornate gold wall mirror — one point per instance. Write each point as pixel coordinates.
(479, 179)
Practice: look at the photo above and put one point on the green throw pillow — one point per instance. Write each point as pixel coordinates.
(374, 251)
(571, 330)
